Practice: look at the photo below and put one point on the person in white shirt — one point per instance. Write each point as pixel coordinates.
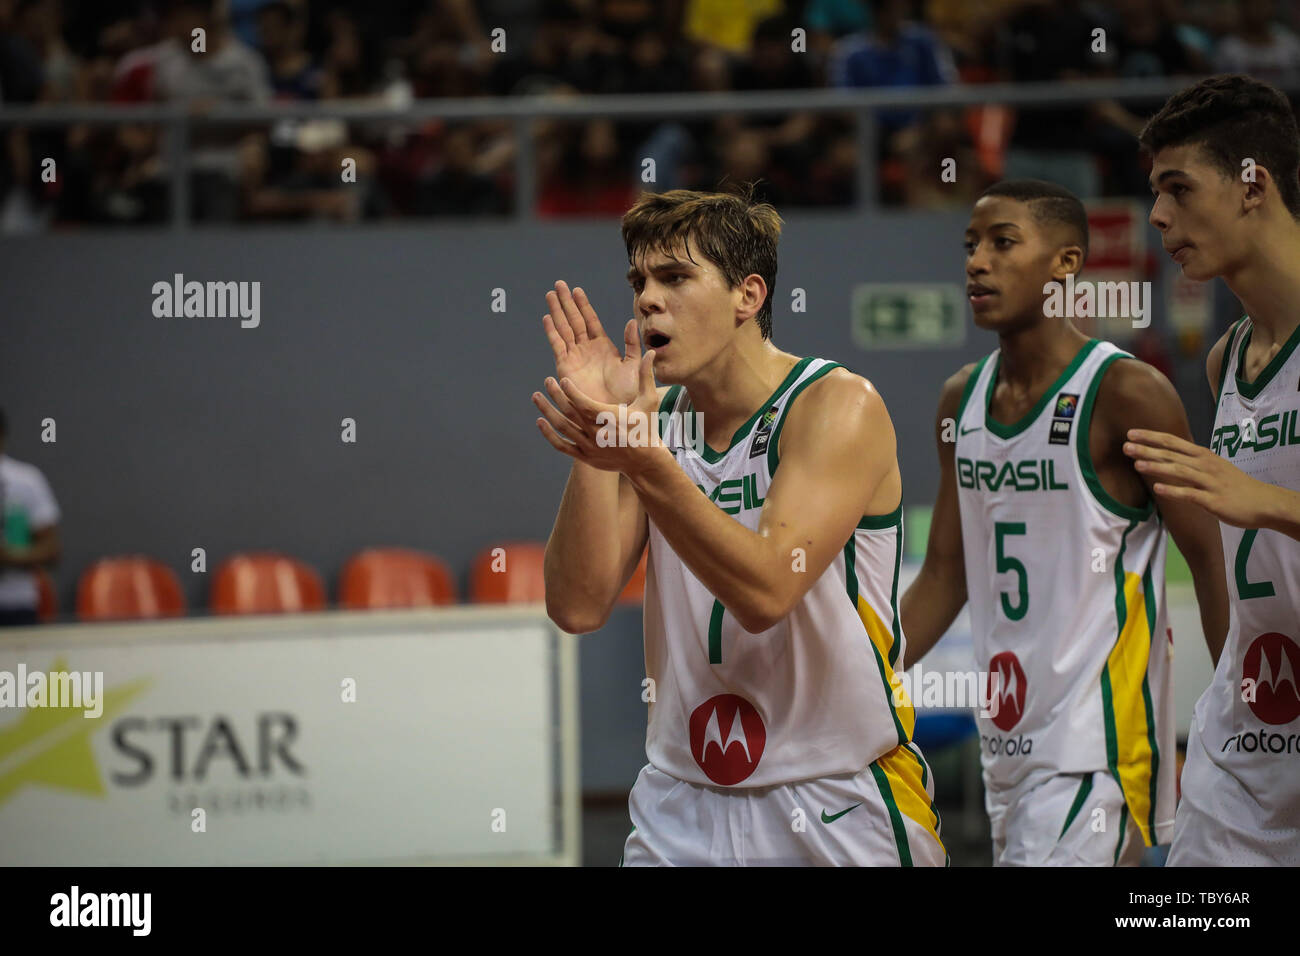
(29, 534)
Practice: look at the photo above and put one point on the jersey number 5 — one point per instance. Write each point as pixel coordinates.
(1014, 612)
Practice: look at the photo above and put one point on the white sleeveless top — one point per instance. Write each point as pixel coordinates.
(1067, 599)
(810, 696)
(1248, 719)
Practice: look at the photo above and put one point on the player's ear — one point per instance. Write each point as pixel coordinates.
(753, 293)
(1069, 261)
(1257, 183)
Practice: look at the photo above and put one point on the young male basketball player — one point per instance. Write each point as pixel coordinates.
(771, 633)
(1045, 526)
(1225, 160)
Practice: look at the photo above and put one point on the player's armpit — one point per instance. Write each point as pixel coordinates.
(838, 462)
(936, 596)
(1135, 395)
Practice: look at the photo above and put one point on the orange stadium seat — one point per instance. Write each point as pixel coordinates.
(47, 602)
(634, 593)
(513, 575)
(395, 577)
(264, 583)
(132, 586)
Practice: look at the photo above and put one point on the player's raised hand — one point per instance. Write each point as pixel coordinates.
(584, 354)
(611, 437)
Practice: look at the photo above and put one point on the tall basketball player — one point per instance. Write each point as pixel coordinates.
(1049, 531)
(775, 533)
(1225, 160)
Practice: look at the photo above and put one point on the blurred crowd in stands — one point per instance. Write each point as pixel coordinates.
(392, 51)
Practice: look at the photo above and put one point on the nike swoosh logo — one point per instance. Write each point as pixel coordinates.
(833, 818)
(1229, 393)
(967, 431)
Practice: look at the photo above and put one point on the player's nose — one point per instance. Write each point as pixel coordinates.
(1158, 217)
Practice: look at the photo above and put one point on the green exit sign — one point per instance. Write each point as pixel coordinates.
(895, 315)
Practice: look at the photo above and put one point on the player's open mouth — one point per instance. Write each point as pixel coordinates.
(656, 340)
(979, 295)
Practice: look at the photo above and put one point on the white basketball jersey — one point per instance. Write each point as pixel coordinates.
(1067, 600)
(810, 696)
(1248, 719)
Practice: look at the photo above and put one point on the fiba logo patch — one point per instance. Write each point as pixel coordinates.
(763, 434)
(1271, 663)
(1006, 683)
(727, 738)
(1063, 418)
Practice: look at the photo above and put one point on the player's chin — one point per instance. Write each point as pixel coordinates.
(990, 319)
(663, 369)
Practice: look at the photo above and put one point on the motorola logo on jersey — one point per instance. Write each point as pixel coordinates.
(1270, 667)
(727, 738)
(1006, 685)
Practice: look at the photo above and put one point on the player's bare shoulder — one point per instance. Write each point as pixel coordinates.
(841, 395)
(844, 404)
(954, 387)
(1133, 394)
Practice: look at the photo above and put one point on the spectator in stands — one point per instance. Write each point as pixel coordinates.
(349, 61)
(1149, 46)
(201, 63)
(1259, 46)
(293, 73)
(41, 22)
(460, 186)
(1052, 40)
(29, 534)
(21, 79)
(895, 53)
(595, 179)
(725, 23)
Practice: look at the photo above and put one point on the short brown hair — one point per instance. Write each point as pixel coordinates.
(735, 233)
(1232, 117)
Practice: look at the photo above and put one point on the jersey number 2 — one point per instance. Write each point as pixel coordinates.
(1250, 589)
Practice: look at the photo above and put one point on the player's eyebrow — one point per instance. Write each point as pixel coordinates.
(1168, 173)
(672, 265)
(996, 225)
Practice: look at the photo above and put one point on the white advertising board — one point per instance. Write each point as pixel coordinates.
(446, 736)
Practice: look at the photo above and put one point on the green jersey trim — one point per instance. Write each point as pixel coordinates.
(897, 646)
(1227, 360)
(774, 459)
(1084, 453)
(970, 386)
(880, 522)
(851, 588)
(1149, 598)
(895, 817)
(1252, 389)
(1011, 431)
(1085, 788)
(1123, 829)
(670, 401)
(713, 457)
(1107, 698)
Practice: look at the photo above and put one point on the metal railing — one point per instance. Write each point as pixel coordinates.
(179, 119)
